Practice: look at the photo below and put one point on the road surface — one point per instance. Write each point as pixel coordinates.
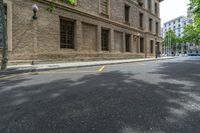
(146, 97)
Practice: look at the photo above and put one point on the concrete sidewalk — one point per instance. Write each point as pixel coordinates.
(43, 67)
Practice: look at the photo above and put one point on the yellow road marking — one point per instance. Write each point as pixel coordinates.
(35, 73)
(66, 72)
(50, 72)
(8, 77)
(13, 76)
(101, 69)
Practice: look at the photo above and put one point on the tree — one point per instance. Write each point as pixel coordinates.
(191, 34)
(170, 41)
(52, 6)
(5, 47)
(194, 6)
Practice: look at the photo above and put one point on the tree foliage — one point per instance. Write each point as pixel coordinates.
(171, 37)
(191, 32)
(194, 6)
(52, 6)
(171, 40)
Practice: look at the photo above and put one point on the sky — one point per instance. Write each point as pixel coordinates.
(170, 9)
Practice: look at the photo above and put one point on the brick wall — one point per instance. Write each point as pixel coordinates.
(35, 39)
(89, 33)
(118, 41)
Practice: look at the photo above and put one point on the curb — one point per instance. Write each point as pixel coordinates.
(36, 69)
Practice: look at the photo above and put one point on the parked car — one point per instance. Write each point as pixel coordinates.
(194, 53)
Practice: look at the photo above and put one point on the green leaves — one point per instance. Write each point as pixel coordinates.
(52, 5)
(192, 31)
(72, 2)
(172, 36)
(194, 6)
(191, 34)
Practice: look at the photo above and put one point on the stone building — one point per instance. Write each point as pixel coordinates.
(88, 29)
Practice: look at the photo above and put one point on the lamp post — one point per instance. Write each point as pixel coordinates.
(4, 36)
(137, 37)
(35, 10)
(156, 47)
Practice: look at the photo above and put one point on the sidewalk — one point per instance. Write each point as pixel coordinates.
(44, 67)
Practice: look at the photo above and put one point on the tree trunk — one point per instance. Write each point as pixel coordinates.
(5, 47)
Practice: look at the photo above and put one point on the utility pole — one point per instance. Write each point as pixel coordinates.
(170, 44)
(4, 37)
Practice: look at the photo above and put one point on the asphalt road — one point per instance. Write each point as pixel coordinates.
(146, 97)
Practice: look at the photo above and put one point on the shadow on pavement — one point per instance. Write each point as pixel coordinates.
(111, 102)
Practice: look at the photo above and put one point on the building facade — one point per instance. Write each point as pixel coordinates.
(177, 25)
(86, 29)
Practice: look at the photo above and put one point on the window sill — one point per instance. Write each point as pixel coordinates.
(104, 15)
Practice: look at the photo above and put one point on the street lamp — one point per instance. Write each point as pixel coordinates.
(35, 10)
(136, 37)
(156, 47)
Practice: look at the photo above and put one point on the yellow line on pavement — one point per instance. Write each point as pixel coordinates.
(49, 72)
(101, 69)
(14, 76)
(66, 72)
(43, 73)
(8, 77)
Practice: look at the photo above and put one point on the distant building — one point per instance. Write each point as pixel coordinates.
(177, 25)
(189, 17)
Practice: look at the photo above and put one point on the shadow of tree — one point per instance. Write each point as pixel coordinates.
(190, 70)
(110, 102)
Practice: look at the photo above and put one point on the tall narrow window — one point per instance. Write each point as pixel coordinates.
(104, 5)
(150, 24)
(151, 46)
(127, 43)
(149, 4)
(104, 39)
(157, 28)
(141, 45)
(127, 10)
(66, 34)
(1, 26)
(156, 8)
(141, 20)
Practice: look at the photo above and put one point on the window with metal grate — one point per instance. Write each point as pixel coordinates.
(104, 39)
(66, 34)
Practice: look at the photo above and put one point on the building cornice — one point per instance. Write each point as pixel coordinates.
(174, 19)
